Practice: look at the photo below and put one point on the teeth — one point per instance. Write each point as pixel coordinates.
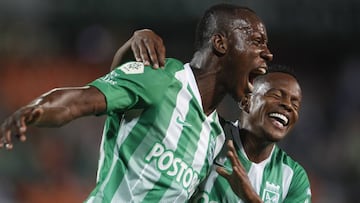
(280, 117)
(262, 70)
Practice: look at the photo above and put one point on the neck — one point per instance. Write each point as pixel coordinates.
(257, 149)
(206, 72)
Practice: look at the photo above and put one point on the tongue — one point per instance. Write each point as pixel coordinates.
(277, 123)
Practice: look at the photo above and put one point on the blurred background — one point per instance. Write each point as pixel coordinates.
(46, 44)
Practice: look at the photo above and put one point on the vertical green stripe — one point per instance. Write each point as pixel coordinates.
(142, 138)
(273, 173)
(125, 152)
(110, 128)
(186, 149)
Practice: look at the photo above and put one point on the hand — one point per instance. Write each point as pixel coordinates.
(16, 125)
(238, 179)
(147, 47)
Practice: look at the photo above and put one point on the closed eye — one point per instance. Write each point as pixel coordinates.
(274, 93)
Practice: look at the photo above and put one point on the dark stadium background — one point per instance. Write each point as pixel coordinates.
(47, 44)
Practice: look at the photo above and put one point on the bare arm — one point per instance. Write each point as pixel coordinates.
(146, 46)
(238, 179)
(52, 109)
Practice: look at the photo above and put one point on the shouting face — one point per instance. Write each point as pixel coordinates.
(248, 54)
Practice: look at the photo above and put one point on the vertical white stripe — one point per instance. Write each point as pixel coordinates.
(256, 170)
(170, 141)
(193, 84)
(124, 131)
(174, 131)
(220, 139)
(255, 175)
(182, 106)
(210, 180)
(101, 156)
(286, 180)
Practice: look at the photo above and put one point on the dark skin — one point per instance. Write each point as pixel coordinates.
(245, 45)
(224, 61)
(146, 46)
(270, 113)
(274, 93)
(238, 179)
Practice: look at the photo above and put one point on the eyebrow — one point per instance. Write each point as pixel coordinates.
(247, 29)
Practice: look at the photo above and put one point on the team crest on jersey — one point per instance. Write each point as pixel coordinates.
(132, 68)
(271, 193)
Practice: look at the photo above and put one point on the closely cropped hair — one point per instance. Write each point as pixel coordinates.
(279, 68)
(216, 19)
(282, 69)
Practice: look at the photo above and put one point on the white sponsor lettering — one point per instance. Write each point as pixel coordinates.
(173, 166)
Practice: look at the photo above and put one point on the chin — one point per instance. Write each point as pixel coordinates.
(275, 139)
(275, 136)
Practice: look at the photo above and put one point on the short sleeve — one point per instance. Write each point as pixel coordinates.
(132, 85)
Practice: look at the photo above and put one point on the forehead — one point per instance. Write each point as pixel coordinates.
(249, 22)
(279, 81)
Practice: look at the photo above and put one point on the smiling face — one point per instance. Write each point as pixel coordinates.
(273, 108)
(248, 54)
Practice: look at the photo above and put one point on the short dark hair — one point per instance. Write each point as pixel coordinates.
(216, 19)
(283, 69)
(276, 68)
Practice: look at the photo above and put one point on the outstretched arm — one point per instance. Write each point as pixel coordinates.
(146, 46)
(238, 179)
(52, 109)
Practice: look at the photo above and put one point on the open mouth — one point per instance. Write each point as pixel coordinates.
(281, 118)
(254, 73)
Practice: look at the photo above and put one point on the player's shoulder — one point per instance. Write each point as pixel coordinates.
(135, 67)
(286, 159)
(131, 68)
(173, 65)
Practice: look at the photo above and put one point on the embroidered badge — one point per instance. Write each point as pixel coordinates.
(271, 193)
(132, 68)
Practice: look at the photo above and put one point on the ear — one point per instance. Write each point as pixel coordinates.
(219, 43)
(245, 103)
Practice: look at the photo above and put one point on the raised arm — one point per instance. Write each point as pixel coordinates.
(146, 46)
(52, 109)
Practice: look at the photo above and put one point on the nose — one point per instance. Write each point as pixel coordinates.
(286, 103)
(266, 54)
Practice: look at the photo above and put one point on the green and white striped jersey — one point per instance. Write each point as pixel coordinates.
(277, 179)
(157, 143)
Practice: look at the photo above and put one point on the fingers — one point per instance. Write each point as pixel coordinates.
(5, 141)
(223, 172)
(148, 48)
(16, 125)
(232, 154)
(136, 50)
(151, 52)
(160, 51)
(21, 129)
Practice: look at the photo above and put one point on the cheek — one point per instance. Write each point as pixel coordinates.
(295, 117)
(257, 109)
(240, 47)
(239, 42)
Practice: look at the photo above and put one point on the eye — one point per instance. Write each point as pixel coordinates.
(295, 104)
(274, 94)
(257, 41)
